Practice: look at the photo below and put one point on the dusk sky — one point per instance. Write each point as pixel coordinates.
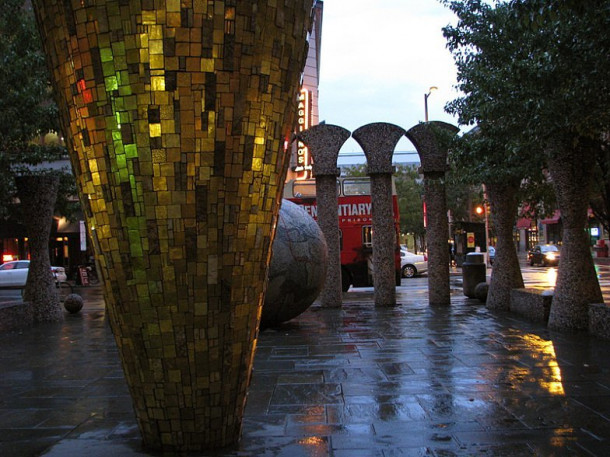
(379, 57)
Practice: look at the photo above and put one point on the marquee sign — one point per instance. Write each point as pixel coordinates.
(304, 167)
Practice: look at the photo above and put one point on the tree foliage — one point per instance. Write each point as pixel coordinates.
(535, 76)
(532, 72)
(27, 110)
(410, 192)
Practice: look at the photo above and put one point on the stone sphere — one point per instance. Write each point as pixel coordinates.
(481, 290)
(298, 266)
(73, 303)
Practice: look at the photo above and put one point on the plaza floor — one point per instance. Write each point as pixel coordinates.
(412, 380)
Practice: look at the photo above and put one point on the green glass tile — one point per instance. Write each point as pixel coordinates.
(106, 55)
(131, 151)
(111, 83)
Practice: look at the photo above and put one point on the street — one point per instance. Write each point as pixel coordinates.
(546, 277)
(532, 276)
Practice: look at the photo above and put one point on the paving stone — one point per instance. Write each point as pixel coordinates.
(465, 381)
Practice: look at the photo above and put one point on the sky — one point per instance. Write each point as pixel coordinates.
(379, 58)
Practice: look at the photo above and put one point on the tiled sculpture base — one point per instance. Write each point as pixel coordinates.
(176, 114)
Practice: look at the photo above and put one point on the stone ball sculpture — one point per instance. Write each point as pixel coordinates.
(298, 266)
(73, 303)
(481, 290)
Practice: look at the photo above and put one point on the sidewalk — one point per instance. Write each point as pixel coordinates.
(413, 380)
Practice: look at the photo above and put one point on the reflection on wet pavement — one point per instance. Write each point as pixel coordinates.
(412, 380)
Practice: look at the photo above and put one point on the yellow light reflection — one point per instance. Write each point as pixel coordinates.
(553, 382)
(313, 445)
(551, 277)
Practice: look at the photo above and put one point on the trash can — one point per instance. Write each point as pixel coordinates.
(474, 271)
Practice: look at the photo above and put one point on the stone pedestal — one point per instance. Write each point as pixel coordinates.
(176, 115)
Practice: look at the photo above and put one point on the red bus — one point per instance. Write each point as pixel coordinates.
(355, 225)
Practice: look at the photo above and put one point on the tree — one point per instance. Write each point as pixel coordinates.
(493, 152)
(409, 190)
(26, 113)
(537, 75)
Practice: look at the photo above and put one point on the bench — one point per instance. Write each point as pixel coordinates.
(532, 303)
(599, 320)
(14, 316)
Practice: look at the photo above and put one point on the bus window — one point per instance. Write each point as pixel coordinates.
(304, 189)
(356, 187)
(367, 236)
(307, 189)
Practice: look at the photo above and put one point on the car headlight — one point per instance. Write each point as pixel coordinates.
(550, 256)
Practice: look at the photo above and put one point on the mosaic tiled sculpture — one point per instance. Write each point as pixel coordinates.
(324, 142)
(378, 141)
(433, 156)
(176, 114)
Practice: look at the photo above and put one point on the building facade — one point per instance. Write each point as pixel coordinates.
(308, 111)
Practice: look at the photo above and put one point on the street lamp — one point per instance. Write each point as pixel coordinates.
(432, 88)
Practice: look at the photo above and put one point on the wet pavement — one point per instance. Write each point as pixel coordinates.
(412, 380)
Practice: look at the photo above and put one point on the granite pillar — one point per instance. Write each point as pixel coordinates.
(176, 114)
(38, 194)
(427, 139)
(378, 141)
(324, 142)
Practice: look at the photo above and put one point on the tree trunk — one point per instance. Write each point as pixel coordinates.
(38, 195)
(506, 273)
(577, 285)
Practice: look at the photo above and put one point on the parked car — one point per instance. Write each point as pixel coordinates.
(15, 273)
(412, 264)
(544, 254)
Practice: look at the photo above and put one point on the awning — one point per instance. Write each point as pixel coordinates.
(554, 219)
(524, 223)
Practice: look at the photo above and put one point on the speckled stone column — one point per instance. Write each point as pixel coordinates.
(40, 193)
(378, 141)
(433, 157)
(506, 272)
(577, 285)
(176, 114)
(324, 142)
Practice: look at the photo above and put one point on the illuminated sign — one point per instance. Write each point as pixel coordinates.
(470, 240)
(356, 209)
(303, 168)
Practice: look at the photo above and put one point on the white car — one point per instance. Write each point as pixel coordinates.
(412, 264)
(15, 273)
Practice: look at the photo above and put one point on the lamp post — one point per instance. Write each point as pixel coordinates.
(432, 88)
